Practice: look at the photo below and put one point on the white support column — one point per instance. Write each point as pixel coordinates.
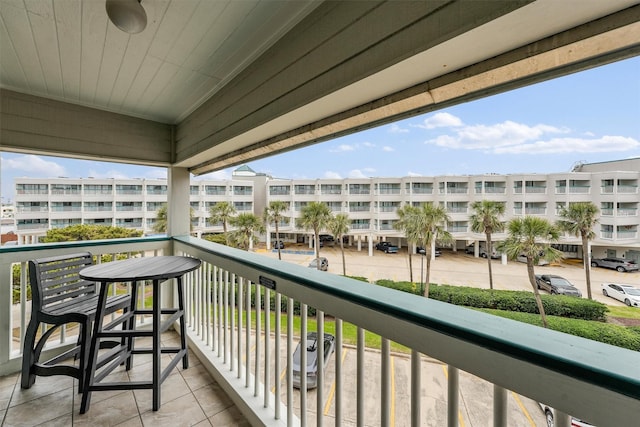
(178, 218)
(359, 243)
(370, 242)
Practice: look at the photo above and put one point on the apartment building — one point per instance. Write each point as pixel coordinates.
(370, 203)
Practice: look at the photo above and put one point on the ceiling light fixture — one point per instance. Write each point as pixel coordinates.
(128, 15)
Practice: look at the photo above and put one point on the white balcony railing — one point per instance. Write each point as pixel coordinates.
(237, 296)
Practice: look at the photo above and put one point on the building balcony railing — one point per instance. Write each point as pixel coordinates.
(626, 212)
(237, 296)
(579, 190)
(628, 189)
(626, 234)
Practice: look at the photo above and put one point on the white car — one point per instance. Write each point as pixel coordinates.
(549, 413)
(628, 294)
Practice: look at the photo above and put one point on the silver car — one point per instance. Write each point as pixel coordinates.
(312, 358)
(618, 264)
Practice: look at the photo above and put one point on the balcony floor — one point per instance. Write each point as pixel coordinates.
(189, 397)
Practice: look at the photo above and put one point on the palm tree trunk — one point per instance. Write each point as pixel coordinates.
(489, 253)
(277, 241)
(587, 264)
(426, 278)
(410, 265)
(536, 293)
(224, 229)
(344, 265)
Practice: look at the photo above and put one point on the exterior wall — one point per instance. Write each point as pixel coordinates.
(371, 203)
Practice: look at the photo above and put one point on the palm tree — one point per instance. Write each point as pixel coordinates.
(273, 213)
(430, 224)
(222, 212)
(339, 226)
(161, 220)
(579, 219)
(315, 216)
(408, 224)
(531, 236)
(246, 225)
(486, 219)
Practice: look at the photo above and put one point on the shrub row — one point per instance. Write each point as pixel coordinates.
(597, 331)
(520, 301)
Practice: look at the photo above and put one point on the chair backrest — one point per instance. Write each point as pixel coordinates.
(56, 279)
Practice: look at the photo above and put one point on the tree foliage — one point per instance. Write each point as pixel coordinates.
(246, 225)
(578, 220)
(486, 219)
(222, 212)
(88, 232)
(339, 226)
(532, 237)
(274, 214)
(315, 216)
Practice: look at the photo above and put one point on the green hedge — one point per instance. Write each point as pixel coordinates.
(597, 331)
(520, 301)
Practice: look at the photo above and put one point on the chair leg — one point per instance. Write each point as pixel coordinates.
(132, 324)
(28, 355)
(183, 329)
(85, 338)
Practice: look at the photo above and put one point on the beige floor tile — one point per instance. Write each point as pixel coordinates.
(108, 412)
(212, 399)
(197, 377)
(230, 417)
(132, 422)
(64, 421)
(9, 380)
(39, 410)
(172, 388)
(183, 411)
(42, 387)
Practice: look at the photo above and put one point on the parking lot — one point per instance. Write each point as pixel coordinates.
(457, 268)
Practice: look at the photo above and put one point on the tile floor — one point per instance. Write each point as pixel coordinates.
(189, 398)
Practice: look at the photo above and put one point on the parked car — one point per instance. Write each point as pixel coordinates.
(278, 244)
(619, 264)
(523, 258)
(312, 358)
(387, 247)
(628, 294)
(482, 252)
(422, 251)
(549, 414)
(556, 285)
(324, 263)
(326, 238)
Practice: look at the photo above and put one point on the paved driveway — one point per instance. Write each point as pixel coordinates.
(458, 268)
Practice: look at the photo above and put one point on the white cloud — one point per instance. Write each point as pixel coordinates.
(332, 175)
(441, 120)
(342, 148)
(605, 144)
(388, 149)
(156, 173)
(368, 144)
(35, 166)
(517, 138)
(394, 128)
(113, 173)
(222, 175)
(413, 174)
(357, 173)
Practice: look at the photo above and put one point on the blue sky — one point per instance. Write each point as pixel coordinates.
(590, 116)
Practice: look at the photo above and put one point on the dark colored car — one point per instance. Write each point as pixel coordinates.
(326, 238)
(278, 244)
(324, 263)
(422, 251)
(387, 247)
(312, 358)
(556, 285)
(618, 264)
